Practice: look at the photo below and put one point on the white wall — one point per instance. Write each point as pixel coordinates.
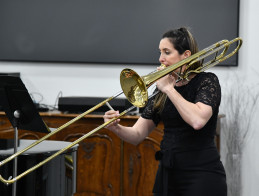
(49, 79)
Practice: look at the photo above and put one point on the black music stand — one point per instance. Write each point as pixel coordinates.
(20, 110)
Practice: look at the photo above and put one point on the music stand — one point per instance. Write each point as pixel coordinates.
(20, 110)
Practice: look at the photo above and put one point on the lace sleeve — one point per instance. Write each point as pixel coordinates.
(150, 113)
(209, 91)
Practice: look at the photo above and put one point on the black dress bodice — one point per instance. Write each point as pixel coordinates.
(179, 135)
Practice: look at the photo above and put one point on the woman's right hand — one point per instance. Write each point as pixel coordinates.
(110, 115)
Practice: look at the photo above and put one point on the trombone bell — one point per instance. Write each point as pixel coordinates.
(134, 87)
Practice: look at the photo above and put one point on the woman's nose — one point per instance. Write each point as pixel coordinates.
(161, 59)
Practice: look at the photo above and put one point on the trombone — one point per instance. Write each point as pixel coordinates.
(135, 88)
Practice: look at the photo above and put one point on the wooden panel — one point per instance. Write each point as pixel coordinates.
(98, 165)
(140, 165)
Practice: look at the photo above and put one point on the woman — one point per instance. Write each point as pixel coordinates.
(189, 161)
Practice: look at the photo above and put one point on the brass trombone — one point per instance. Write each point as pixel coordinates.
(135, 89)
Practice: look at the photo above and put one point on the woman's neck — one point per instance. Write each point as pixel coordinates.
(185, 81)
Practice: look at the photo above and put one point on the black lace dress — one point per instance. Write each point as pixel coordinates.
(189, 161)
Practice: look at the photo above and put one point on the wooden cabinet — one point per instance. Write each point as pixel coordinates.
(105, 164)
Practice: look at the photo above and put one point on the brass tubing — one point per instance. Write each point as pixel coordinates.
(7, 182)
(221, 57)
(56, 131)
(239, 40)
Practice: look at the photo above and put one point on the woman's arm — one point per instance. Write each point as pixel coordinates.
(135, 134)
(195, 114)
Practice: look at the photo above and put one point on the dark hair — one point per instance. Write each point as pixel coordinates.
(182, 40)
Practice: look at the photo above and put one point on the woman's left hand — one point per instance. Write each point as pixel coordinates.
(166, 83)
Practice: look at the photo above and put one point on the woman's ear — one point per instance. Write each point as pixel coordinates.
(187, 53)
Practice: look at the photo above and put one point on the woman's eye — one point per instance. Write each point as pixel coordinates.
(167, 52)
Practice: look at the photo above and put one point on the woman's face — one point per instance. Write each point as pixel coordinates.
(168, 54)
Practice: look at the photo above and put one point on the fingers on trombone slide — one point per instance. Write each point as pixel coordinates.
(109, 115)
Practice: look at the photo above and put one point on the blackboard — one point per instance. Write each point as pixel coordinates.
(108, 31)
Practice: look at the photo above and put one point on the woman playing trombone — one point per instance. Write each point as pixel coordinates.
(189, 161)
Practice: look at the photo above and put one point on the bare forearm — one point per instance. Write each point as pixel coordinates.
(128, 134)
(196, 115)
(135, 134)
